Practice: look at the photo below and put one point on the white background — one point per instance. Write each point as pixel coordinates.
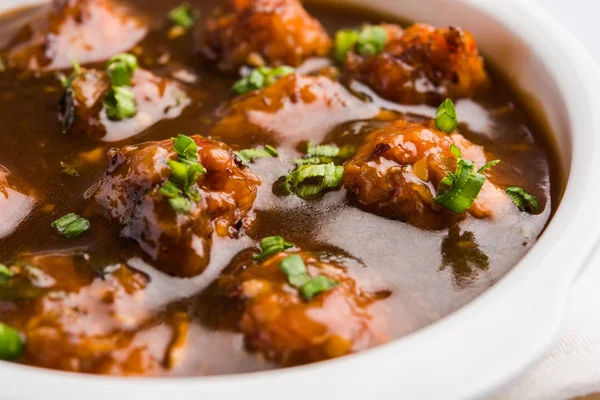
(582, 17)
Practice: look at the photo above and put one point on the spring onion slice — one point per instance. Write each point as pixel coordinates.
(317, 285)
(307, 181)
(458, 191)
(183, 15)
(11, 343)
(297, 274)
(523, 200)
(260, 78)
(250, 155)
(445, 117)
(271, 245)
(71, 225)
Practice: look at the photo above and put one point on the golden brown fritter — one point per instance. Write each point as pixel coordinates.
(397, 170)
(284, 326)
(421, 64)
(280, 32)
(73, 319)
(75, 30)
(179, 244)
(156, 98)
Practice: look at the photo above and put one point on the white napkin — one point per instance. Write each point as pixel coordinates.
(572, 367)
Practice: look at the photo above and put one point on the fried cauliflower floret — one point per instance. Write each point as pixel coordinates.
(156, 98)
(397, 170)
(178, 243)
(280, 32)
(75, 320)
(421, 64)
(279, 322)
(277, 114)
(84, 30)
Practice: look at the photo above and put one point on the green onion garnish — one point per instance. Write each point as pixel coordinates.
(325, 154)
(249, 155)
(523, 200)
(11, 343)
(260, 78)
(445, 117)
(295, 270)
(120, 102)
(368, 41)
(66, 82)
(183, 15)
(71, 225)
(68, 169)
(488, 165)
(185, 171)
(272, 245)
(458, 190)
(317, 285)
(5, 274)
(307, 181)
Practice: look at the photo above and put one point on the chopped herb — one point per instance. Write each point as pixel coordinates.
(345, 40)
(68, 169)
(11, 343)
(185, 171)
(523, 200)
(368, 41)
(260, 78)
(120, 102)
(295, 270)
(250, 155)
(371, 40)
(458, 190)
(488, 165)
(325, 154)
(66, 105)
(71, 225)
(183, 15)
(445, 117)
(271, 245)
(5, 272)
(308, 181)
(317, 285)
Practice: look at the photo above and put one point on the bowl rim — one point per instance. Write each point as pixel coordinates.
(548, 269)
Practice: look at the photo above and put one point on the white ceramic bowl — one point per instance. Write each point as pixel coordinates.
(482, 347)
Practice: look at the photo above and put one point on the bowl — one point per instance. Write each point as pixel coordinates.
(479, 349)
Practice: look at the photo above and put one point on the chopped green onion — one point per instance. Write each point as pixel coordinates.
(369, 41)
(455, 151)
(11, 343)
(120, 103)
(186, 148)
(325, 154)
(71, 225)
(260, 78)
(445, 117)
(458, 191)
(181, 205)
(68, 81)
(5, 271)
(271, 245)
(307, 181)
(317, 285)
(488, 165)
(323, 150)
(295, 270)
(345, 40)
(170, 190)
(183, 15)
(249, 155)
(523, 200)
(185, 171)
(68, 169)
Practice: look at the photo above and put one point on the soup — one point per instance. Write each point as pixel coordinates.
(233, 186)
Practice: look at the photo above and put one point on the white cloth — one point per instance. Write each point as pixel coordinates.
(572, 367)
